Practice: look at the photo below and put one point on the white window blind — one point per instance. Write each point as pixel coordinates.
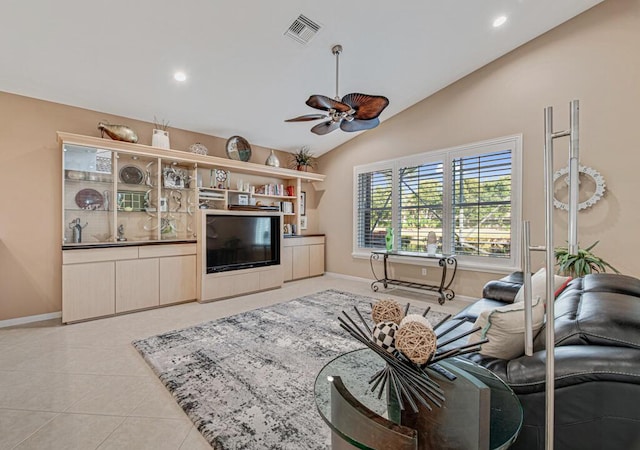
(468, 196)
(421, 205)
(374, 193)
(482, 205)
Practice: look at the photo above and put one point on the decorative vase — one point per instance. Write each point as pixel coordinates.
(272, 160)
(160, 138)
(302, 168)
(432, 243)
(388, 239)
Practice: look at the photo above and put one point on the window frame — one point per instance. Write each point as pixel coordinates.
(446, 156)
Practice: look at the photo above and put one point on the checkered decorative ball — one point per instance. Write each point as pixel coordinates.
(384, 335)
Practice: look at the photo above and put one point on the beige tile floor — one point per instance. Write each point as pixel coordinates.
(83, 386)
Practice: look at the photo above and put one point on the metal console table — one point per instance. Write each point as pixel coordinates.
(447, 263)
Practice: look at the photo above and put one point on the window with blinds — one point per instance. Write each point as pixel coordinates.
(421, 206)
(374, 210)
(482, 204)
(467, 198)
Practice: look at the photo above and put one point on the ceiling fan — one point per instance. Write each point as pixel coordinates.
(354, 112)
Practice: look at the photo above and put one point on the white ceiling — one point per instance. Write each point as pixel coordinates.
(244, 76)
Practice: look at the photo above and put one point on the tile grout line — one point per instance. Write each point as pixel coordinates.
(38, 429)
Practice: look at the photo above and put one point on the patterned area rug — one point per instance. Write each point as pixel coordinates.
(246, 381)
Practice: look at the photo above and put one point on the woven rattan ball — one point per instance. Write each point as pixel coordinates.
(386, 310)
(416, 318)
(416, 341)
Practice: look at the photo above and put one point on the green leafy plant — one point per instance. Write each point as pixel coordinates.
(302, 159)
(582, 263)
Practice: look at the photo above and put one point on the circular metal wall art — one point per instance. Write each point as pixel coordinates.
(589, 172)
(238, 148)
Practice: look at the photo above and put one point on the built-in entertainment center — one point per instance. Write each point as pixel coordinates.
(137, 220)
(238, 252)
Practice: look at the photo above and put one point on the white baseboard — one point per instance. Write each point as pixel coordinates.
(348, 277)
(29, 319)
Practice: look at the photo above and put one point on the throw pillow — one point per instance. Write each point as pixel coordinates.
(539, 286)
(504, 327)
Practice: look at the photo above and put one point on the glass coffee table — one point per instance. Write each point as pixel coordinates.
(479, 412)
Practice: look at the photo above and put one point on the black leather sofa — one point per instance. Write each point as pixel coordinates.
(597, 364)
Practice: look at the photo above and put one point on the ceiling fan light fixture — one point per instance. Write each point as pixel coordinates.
(354, 112)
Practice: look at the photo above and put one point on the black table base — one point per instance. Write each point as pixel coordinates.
(447, 263)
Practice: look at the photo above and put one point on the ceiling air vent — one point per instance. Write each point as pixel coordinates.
(302, 29)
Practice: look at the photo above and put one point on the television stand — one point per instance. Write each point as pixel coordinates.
(447, 263)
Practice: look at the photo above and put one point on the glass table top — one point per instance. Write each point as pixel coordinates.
(357, 367)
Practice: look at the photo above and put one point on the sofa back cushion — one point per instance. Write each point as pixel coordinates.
(599, 309)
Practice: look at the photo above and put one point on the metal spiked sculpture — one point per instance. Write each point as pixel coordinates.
(408, 380)
(353, 112)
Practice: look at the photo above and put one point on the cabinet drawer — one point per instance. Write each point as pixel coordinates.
(159, 251)
(299, 241)
(99, 254)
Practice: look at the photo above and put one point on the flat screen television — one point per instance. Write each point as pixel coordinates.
(242, 241)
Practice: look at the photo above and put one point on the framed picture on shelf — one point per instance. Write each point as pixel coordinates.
(303, 222)
(303, 203)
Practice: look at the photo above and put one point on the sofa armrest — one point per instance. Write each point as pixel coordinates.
(574, 364)
(504, 289)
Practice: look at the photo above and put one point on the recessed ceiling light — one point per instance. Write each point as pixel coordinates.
(499, 21)
(180, 76)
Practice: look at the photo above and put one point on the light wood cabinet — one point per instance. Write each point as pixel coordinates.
(100, 282)
(137, 284)
(88, 290)
(177, 279)
(316, 260)
(303, 257)
(118, 198)
(286, 260)
(300, 261)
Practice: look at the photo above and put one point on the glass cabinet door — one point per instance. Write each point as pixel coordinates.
(178, 200)
(88, 202)
(137, 198)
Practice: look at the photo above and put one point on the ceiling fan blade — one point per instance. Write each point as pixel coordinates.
(326, 103)
(359, 125)
(366, 106)
(307, 118)
(325, 127)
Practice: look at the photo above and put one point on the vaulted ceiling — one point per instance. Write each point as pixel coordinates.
(244, 76)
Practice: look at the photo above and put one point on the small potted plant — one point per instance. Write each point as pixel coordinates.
(582, 263)
(303, 159)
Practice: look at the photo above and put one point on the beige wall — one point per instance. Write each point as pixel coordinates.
(30, 194)
(593, 58)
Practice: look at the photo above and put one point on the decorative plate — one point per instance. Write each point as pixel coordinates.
(89, 199)
(131, 175)
(221, 175)
(238, 148)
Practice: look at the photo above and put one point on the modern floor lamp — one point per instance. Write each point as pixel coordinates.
(549, 136)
